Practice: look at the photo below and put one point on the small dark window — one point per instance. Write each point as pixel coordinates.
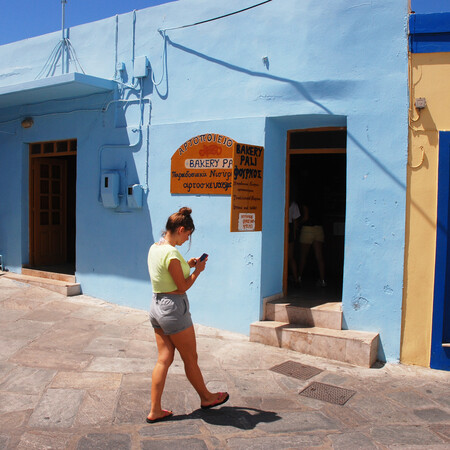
(55, 218)
(45, 171)
(35, 149)
(61, 146)
(48, 147)
(318, 139)
(56, 187)
(44, 202)
(44, 218)
(44, 186)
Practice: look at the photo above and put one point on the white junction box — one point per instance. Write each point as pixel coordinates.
(141, 67)
(110, 189)
(134, 196)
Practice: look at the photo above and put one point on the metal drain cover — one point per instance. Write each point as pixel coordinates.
(296, 370)
(328, 393)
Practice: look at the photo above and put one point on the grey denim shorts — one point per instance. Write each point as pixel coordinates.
(170, 312)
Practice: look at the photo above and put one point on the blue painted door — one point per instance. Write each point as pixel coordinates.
(440, 338)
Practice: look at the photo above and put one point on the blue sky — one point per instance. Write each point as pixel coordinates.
(22, 19)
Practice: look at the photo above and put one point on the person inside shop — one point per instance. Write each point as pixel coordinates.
(312, 235)
(171, 277)
(293, 219)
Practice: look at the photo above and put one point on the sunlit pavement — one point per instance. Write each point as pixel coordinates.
(75, 373)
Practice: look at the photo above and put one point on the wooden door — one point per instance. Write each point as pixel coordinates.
(48, 211)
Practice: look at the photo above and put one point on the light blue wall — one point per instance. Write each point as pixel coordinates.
(340, 63)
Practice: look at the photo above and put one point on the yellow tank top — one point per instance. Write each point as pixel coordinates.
(159, 257)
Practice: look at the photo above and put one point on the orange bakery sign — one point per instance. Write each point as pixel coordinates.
(215, 164)
(203, 165)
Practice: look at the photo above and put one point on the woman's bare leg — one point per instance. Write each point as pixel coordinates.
(185, 343)
(303, 256)
(166, 351)
(292, 263)
(318, 250)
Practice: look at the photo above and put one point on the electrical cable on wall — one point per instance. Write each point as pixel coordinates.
(162, 32)
(421, 160)
(215, 18)
(410, 112)
(164, 59)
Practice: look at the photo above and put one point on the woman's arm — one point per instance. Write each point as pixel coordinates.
(176, 272)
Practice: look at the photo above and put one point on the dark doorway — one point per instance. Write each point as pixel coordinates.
(317, 182)
(52, 206)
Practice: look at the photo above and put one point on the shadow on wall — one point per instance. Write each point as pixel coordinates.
(323, 89)
(311, 92)
(114, 239)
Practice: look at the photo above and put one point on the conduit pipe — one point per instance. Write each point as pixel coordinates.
(116, 45)
(122, 146)
(63, 38)
(114, 147)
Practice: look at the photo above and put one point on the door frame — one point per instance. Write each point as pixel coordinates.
(440, 355)
(41, 151)
(304, 151)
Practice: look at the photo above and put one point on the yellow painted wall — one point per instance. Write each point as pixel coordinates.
(429, 75)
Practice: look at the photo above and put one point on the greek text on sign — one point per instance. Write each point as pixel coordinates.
(203, 165)
(246, 222)
(247, 189)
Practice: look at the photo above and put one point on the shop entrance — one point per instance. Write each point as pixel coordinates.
(52, 206)
(316, 182)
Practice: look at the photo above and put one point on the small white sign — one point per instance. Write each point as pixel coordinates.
(246, 222)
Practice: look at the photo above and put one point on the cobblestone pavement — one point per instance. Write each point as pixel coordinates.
(75, 374)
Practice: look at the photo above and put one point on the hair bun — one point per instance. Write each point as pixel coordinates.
(185, 211)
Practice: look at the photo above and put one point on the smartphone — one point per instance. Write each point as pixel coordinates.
(205, 255)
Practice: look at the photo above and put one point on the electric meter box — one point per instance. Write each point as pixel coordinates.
(141, 67)
(110, 189)
(134, 196)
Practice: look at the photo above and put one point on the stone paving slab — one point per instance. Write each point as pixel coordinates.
(350, 440)
(43, 440)
(75, 373)
(9, 346)
(88, 381)
(27, 380)
(57, 408)
(97, 409)
(120, 365)
(51, 359)
(23, 329)
(103, 441)
(12, 401)
(275, 442)
(405, 435)
(188, 444)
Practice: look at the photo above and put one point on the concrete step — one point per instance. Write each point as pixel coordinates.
(66, 288)
(49, 275)
(354, 347)
(326, 315)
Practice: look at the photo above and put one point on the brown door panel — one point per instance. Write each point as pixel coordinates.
(48, 215)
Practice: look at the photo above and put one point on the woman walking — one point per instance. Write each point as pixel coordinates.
(171, 277)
